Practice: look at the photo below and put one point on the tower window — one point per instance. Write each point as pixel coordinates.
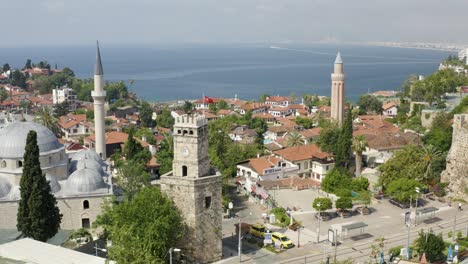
(207, 202)
(191, 132)
(3, 164)
(185, 132)
(184, 170)
(85, 223)
(85, 204)
(178, 131)
(20, 163)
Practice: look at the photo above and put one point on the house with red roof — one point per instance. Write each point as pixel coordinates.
(74, 126)
(283, 101)
(389, 109)
(312, 162)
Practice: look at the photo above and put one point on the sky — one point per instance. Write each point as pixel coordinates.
(81, 22)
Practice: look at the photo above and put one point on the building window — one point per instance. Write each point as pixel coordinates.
(184, 170)
(299, 166)
(20, 163)
(207, 202)
(306, 165)
(327, 167)
(178, 131)
(85, 223)
(3, 164)
(85, 204)
(191, 132)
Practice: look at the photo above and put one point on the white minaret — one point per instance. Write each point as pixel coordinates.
(337, 90)
(99, 97)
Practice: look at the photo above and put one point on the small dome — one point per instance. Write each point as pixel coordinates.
(87, 154)
(85, 163)
(53, 182)
(5, 187)
(13, 139)
(15, 194)
(85, 180)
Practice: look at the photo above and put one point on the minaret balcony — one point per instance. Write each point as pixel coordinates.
(98, 94)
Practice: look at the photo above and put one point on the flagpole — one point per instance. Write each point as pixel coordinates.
(203, 100)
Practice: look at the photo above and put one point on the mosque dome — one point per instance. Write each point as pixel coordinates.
(13, 139)
(53, 182)
(15, 193)
(5, 187)
(85, 180)
(87, 154)
(86, 163)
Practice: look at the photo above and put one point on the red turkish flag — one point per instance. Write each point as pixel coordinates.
(208, 100)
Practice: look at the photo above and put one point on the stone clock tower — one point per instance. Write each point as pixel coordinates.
(195, 189)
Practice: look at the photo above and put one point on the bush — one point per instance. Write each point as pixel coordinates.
(344, 203)
(282, 219)
(325, 204)
(395, 251)
(80, 233)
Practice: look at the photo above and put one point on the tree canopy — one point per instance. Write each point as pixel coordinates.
(132, 178)
(369, 104)
(325, 204)
(142, 231)
(403, 189)
(146, 115)
(165, 119)
(38, 215)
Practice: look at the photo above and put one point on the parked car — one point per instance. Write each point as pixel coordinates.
(283, 239)
(363, 210)
(258, 230)
(344, 213)
(401, 205)
(325, 216)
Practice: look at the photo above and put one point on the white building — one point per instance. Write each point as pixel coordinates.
(74, 126)
(389, 109)
(63, 94)
(283, 101)
(264, 168)
(311, 160)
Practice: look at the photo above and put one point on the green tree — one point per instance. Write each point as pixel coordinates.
(142, 231)
(304, 122)
(213, 108)
(132, 146)
(263, 98)
(369, 104)
(294, 139)
(440, 134)
(165, 119)
(165, 155)
(116, 91)
(38, 215)
(28, 64)
(147, 134)
(3, 94)
(46, 117)
(337, 178)
(344, 203)
(358, 145)
(431, 244)
(403, 189)
(18, 79)
(406, 163)
(61, 109)
(188, 107)
(146, 115)
(6, 67)
(430, 155)
(328, 137)
(343, 147)
(90, 115)
(325, 204)
(223, 105)
(132, 178)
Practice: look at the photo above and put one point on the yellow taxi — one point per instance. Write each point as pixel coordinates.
(258, 230)
(282, 239)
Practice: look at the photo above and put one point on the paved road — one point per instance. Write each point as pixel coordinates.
(386, 220)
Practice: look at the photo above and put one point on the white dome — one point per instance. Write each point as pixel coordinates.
(53, 182)
(85, 180)
(5, 187)
(15, 194)
(85, 163)
(87, 154)
(13, 139)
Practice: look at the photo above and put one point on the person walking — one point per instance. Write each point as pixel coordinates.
(459, 206)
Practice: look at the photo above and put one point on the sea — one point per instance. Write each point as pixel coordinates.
(180, 72)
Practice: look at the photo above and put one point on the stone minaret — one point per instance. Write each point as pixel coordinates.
(99, 97)
(337, 90)
(195, 189)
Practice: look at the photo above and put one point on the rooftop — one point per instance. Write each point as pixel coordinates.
(303, 152)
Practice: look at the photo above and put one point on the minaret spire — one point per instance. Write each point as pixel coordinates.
(99, 97)
(98, 66)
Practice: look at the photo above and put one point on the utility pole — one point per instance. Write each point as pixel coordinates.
(240, 246)
(408, 224)
(318, 228)
(454, 228)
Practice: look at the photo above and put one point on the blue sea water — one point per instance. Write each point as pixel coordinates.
(187, 72)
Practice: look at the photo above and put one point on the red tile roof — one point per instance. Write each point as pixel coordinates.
(262, 163)
(278, 99)
(303, 152)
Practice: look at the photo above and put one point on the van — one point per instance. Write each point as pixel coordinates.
(282, 239)
(258, 230)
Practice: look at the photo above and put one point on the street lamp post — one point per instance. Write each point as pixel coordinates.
(416, 211)
(318, 228)
(240, 241)
(170, 253)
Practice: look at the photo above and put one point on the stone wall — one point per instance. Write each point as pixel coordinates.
(456, 173)
(200, 202)
(71, 209)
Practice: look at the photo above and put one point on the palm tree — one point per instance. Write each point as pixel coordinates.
(294, 139)
(45, 116)
(359, 144)
(429, 154)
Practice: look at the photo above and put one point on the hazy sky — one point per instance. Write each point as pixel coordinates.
(45, 22)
